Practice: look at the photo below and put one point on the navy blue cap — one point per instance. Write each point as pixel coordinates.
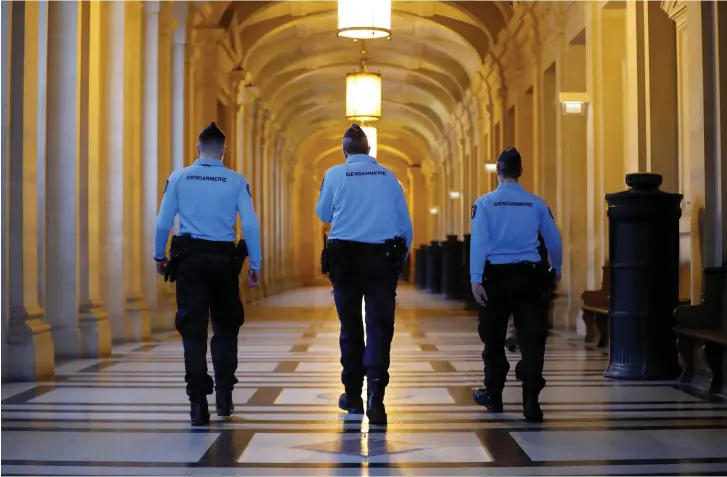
(510, 158)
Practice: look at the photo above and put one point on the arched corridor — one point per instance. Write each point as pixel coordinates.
(103, 100)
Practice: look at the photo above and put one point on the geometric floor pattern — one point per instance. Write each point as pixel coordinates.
(128, 414)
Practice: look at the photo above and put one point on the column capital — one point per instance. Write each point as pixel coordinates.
(677, 11)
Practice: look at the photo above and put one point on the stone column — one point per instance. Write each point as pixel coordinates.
(125, 303)
(206, 43)
(256, 179)
(179, 87)
(571, 177)
(5, 31)
(605, 51)
(166, 304)
(419, 205)
(28, 342)
(705, 22)
(65, 199)
(267, 210)
(284, 213)
(93, 318)
(150, 164)
(651, 96)
(137, 313)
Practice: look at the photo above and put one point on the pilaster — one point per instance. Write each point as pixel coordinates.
(93, 317)
(66, 125)
(28, 340)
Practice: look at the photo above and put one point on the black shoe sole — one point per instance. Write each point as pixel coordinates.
(351, 410)
(225, 412)
(200, 423)
(376, 417)
(533, 418)
(495, 409)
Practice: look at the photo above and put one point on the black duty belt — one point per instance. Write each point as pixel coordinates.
(360, 247)
(193, 245)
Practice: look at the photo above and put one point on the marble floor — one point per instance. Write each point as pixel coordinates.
(128, 415)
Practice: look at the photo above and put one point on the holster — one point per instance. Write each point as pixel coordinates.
(334, 259)
(240, 256)
(325, 260)
(396, 252)
(176, 252)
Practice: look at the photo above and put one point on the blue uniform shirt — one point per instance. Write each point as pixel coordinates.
(208, 196)
(505, 226)
(364, 202)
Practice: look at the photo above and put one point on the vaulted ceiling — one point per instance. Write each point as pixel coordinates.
(295, 58)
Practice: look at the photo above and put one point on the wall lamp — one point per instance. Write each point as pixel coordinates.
(455, 195)
(490, 167)
(574, 103)
(434, 211)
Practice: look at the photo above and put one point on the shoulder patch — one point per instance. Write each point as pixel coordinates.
(474, 211)
(248, 190)
(551, 213)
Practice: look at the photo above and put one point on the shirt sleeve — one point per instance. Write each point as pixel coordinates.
(324, 207)
(551, 237)
(250, 224)
(478, 241)
(165, 219)
(404, 219)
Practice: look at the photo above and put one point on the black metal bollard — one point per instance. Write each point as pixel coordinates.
(469, 300)
(420, 273)
(451, 265)
(434, 268)
(644, 261)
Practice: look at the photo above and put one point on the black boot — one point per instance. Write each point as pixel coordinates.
(531, 409)
(375, 410)
(199, 413)
(225, 406)
(351, 402)
(492, 401)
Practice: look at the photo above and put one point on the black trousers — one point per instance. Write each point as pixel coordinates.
(517, 289)
(357, 273)
(208, 286)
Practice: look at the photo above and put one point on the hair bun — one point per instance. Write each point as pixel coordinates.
(213, 125)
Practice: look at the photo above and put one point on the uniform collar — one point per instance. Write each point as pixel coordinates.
(510, 186)
(208, 162)
(360, 158)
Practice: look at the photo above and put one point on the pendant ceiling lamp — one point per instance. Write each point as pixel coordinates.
(370, 132)
(364, 19)
(363, 94)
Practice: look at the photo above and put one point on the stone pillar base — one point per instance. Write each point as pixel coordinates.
(67, 342)
(93, 322)
(163, 317)
(138, 321)
(30, 349)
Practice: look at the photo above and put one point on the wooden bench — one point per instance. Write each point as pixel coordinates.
(713, 344)
(702, 339)
(595, 310)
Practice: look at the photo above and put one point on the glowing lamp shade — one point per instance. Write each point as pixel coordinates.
(490, 167)
(364, 19)
(434, 211)
(455, 195)
(363, 96)
(574, 103)
(573, 107)
(370, 132)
